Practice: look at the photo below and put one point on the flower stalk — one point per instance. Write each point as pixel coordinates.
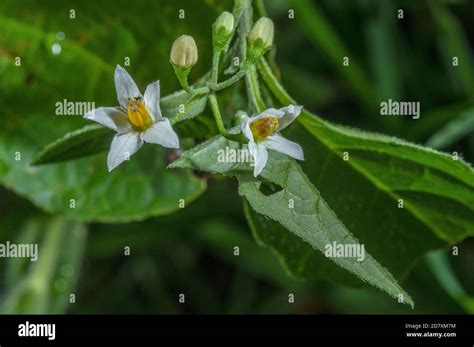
(214, 104)
(138, 118)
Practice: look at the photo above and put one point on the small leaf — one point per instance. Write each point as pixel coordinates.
(85, 141)
(184, 108)
(184, 105)
(310, 218)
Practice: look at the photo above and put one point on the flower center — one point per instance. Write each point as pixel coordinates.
(264, 127)
(138, 115)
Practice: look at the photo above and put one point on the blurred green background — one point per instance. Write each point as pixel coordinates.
(191, 251)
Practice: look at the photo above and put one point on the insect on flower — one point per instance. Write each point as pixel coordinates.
(136, 120)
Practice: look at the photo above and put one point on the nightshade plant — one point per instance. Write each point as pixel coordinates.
(138, 119)
(262, 132)
(282, 199)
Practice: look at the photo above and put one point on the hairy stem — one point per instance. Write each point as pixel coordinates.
(254, 89)
(220, 124)
(215, 68)
(232, 80)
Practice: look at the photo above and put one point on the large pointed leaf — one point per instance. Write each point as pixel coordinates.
(84, 190)
(297, 256)
(83, 72)
(398, 198)
(309, 217)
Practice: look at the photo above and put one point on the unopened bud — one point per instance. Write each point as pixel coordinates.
(222, 29)
(184, 53)
(262, 33)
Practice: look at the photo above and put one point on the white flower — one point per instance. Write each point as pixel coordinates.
(137, 120)
(262, 133)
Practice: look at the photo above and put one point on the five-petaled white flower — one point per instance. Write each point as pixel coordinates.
(262, 133)
(137, 120)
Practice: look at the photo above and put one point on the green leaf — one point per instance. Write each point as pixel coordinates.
(138, 189)
(83, 72)
(179, 108)
(381, 173)
(455, 130)
(452, 38)
(297, 256)
(88, 140)
(311, 219)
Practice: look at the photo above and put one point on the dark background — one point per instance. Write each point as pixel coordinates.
(191, 251)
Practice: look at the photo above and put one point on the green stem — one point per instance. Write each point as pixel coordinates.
(273, 83)
(254, 89)
(280, 92)
(217, 114)
(220, 124)
(215, 67)
(260, 6)
(195, 96)
(199, 91)
(182, 76)
(186, 86)
(43, 272)
(234, 79)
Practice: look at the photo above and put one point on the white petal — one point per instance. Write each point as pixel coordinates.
(245, 127)
(161, 133)
(272, 112)
(152, 100)
(110, 117)
(290, 114)
(268, 112)
(280, 144)
(122, 148)
(259, 152)
(125, 87)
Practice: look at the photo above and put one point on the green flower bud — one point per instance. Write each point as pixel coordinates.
(262, 34)
(184, 53)
(222, 29)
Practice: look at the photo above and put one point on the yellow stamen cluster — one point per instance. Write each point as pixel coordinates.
(138, 115)
(264, 127)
